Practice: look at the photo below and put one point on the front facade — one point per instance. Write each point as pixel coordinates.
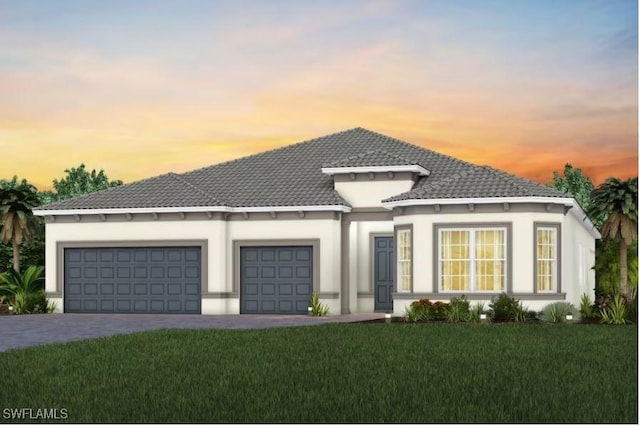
(367, 222)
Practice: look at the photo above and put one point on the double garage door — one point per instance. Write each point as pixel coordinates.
(273, 280)
(133, 280)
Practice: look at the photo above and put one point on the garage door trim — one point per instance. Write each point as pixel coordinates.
(315, 260)
(61, 245)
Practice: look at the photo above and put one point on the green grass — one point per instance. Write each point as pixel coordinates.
(336, 373)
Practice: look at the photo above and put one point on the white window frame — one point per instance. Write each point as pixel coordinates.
(472, 257)
(555, 270)
(399, 261)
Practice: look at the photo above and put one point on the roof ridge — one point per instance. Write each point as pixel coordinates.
(368, 153)
(186, 182)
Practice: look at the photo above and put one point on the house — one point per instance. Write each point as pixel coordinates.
(368, 222)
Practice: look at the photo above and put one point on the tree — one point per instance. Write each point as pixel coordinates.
(78, 181)
(615, 203)
(16, 202)
(574, 182)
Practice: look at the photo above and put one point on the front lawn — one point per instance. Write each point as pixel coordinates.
(336, 373)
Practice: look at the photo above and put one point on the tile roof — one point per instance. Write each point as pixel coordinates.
(372, 158)
(292, 176)
(478, 182)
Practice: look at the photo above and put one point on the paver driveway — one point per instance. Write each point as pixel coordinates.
(19, 331)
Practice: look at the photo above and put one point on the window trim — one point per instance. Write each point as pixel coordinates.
(396, 244)
(558, 281)
(438, 227)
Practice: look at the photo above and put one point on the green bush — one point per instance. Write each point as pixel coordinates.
(425, 310)
(25, 292)
(458, 310)
(616, 312)
(587, 308)
(318, 309)
(520, 313)
(503, 308)
(475, 312)
(556, 312)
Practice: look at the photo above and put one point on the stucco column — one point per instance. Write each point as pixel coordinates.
(344, 266)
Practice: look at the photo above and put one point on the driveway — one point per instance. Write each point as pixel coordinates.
(20, 331)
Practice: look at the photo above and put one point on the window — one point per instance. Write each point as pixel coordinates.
(546, 258)
(472, 259)
(404, 259)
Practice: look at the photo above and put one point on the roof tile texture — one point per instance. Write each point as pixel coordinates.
(292, 176)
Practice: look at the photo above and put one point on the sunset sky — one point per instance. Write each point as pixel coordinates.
(145, 87)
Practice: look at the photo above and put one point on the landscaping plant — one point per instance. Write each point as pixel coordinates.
(556, 313)
(25, 291)
(503, 308)
(458, 310)
(476, 311)
(318, 309)
(521, 313)
(420, 310)
(586, 306)
(616, 312)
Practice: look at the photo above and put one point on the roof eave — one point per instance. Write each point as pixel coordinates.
(480, 200)
(199, 209)
(413, 168)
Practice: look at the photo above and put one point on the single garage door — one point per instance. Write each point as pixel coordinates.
(275, 280)
(132, 280)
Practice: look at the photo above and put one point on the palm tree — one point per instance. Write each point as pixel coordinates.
(16, 202)
(616, 203)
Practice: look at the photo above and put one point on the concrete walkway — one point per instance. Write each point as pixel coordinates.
(20, 331)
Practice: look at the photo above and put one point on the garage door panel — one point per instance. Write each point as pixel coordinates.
(135, 280)
(140, 306)
(106, 256)
(157, 272)
(302, 289)
(191, 272)
(106, 288)
(275, 280)
(303, 272)
(106, 272)
(107, 306)
(268, 306)
(285, 289)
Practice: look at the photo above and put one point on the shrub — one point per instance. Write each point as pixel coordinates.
(503, 308)
(586, 307)
(440, 310)
(425, 310)
(476, 311)
(556, 312)
(458, 310)
(318, 309)
(25, 291)
(616, 312)
(521, 313)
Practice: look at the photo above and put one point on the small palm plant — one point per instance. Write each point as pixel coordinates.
(25, 291)
(318, 309)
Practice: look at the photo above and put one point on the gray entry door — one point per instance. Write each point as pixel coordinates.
(132, 280)
(383, 273)
(275, 280)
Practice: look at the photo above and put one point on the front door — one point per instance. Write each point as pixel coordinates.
(383, 273)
